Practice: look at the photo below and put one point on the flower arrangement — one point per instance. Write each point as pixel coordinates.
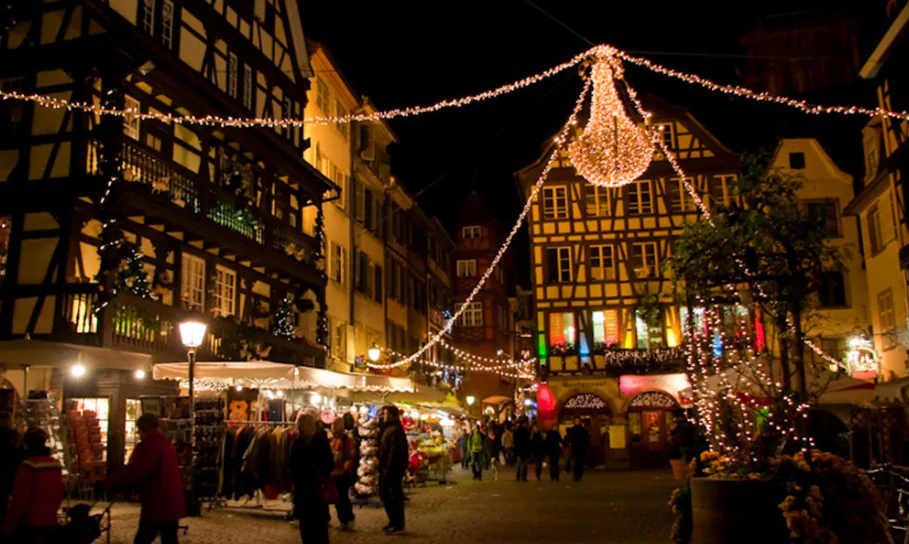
(829, 500)
(562, 349)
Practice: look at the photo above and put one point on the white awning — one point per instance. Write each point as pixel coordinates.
(269, 375)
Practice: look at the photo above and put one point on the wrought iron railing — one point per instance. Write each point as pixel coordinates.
(139, 166)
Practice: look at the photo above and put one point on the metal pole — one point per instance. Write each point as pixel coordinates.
(25, 382)
(191, 355)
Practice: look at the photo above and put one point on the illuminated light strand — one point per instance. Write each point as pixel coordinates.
(479, 358)
(260, 122)
(613, 150)
(751, 363)
(744, 92)
(699, 202)
(559, 141)
(464, 369)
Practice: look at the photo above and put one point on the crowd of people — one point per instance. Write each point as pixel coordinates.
(523, 444)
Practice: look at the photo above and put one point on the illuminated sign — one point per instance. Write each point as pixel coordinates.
(863, 361)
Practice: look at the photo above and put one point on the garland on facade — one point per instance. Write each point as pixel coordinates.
(110, 167)
(284, 320)
(323, 335)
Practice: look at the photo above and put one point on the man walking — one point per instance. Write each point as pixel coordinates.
(578, 439)
(508, 445)
(523, 448)
(392, 467)
(154, 472)
(552, 445)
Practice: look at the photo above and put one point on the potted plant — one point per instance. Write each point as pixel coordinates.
(758, 261)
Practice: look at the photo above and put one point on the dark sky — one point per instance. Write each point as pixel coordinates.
(405, 53)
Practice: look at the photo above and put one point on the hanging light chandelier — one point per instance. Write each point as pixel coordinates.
(612, 150)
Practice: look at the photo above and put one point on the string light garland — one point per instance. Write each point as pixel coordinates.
(288, 122)
(478, 367)
(613, 150)
(537, 187)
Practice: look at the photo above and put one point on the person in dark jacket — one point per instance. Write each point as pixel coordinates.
(552, 447)
(310, 463)
(37, 494)
(538, 449)
(154, 472)
(10, 456)
(523, 449)
(393, 457)
(578, 438)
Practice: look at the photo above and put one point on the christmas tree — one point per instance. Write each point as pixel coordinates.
(284, 320)
(132, 276)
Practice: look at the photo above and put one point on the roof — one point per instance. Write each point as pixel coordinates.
(474, 210)
(885, 47)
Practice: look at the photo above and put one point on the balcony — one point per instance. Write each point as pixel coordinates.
(615, 362)
(233, 221)
(135, 324)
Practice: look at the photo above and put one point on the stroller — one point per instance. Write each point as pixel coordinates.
(83, 527)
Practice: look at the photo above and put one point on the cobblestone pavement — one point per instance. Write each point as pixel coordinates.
(608, 507)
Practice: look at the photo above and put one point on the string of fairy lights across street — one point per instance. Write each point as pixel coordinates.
(595, 54)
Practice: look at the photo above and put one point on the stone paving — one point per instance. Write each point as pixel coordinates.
(608, 507)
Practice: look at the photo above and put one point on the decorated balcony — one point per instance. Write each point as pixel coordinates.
(614, 361)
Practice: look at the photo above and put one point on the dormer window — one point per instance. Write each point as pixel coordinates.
(473, 231)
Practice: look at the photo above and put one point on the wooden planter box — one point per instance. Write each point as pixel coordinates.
(737, 512)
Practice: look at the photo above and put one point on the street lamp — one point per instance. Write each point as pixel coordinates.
(374, 352)
(78, 370)
(470, 400)
(192, 333)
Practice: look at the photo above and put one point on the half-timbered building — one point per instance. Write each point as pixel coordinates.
(607, 319)
(115, 229)
(485, 326)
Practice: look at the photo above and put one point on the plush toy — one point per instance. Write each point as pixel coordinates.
(239, 410)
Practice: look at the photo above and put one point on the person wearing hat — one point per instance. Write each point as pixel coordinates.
(393, 457)
(37, 493)
(154, 472)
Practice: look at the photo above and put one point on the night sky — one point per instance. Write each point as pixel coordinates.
(405, 53)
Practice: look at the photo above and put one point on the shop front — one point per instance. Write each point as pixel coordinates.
(650, 419)
(597, 416)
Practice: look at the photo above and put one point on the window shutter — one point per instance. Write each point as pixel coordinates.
(888, 232)
(552, 265)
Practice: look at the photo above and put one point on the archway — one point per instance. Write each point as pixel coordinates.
(650, 419)
(595, 412)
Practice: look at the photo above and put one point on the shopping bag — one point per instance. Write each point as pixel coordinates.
(328, 492)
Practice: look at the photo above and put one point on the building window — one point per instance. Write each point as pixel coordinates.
(605, 327)
(649, 335)
(363, 275)
(148, 16)
(825, 213)
(797, 161)
(667, 134)
(377, 282)
(644, 259)
(555, 202)
(558, 264)
(640, 197)
(360, 197)
(323, 96)
(832, 291)
(472, 316)
(167, 23)
(880, 225)
(339, 341)
(679, 199)
(602, 265)
(467, 268)
(248, 97)
(562, 330)
(193, 282)
(341, 126)
(596, 201)
(233, 68)
(471, 232)
(885, 310)
(343, 181)
(697, 317)
(131, 120)
(225, 291)
(720, 189)
(337, 262)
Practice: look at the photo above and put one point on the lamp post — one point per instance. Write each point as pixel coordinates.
(192, 333)
(374, 352)
(470, 400)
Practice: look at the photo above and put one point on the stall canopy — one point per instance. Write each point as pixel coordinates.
(268, 375)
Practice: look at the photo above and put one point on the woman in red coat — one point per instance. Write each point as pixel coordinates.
(153, 471)
(37, 494)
